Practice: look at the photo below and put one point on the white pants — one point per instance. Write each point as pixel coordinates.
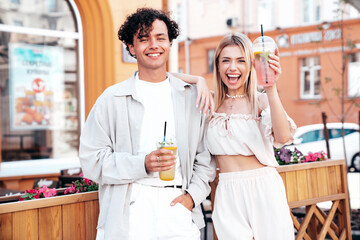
(152, 217)
(252, 205)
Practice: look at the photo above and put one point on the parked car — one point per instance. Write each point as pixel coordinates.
(311, 138)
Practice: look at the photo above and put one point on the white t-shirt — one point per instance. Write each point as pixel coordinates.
(158, 108)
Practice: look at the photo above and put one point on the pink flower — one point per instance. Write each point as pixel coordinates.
(87, 181)
(33, 191)
(318, 156)
(47, 192)
(71, 189)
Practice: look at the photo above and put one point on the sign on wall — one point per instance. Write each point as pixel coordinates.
(36, 85)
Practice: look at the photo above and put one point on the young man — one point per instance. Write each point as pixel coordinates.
(118, 150)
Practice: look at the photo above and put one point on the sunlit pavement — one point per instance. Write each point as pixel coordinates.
(354, 194)
(354, 190)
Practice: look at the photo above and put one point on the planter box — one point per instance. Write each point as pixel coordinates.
(306, 185)
(63, 217)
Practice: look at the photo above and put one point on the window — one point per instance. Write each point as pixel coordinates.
(313, 136)
(310, 78)
(311, 11)
(265, 14)
(180, 21)
(52, 5)
(354, 75)
(17, 23)
(210, 57)
(336, 132)
(39, 81)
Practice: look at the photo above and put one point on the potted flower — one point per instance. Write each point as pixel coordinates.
(285, 156)
(43, 192)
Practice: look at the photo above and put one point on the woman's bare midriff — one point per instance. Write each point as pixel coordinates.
(236, 163)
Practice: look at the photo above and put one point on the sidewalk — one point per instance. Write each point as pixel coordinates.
(354, 192)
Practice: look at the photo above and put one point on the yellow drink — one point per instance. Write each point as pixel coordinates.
(169, 174)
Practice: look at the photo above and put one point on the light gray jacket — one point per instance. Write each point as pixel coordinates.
(109, 144)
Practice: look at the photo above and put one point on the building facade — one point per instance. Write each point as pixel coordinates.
(312, 69)
(208, 18)
(308, 34)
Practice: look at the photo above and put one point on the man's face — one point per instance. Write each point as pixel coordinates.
(152, 50)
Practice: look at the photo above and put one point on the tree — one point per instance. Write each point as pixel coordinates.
(346, 44)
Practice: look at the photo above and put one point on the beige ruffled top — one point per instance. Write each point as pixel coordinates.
(244, 134)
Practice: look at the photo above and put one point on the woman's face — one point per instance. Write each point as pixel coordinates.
(233, 69)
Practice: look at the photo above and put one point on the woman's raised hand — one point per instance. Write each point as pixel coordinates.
(274, 63)
(204, 99)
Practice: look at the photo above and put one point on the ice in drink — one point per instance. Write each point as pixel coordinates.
(262, 48)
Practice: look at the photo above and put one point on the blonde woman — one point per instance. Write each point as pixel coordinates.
(250, 201)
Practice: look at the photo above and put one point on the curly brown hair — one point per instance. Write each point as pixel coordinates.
(141, 22)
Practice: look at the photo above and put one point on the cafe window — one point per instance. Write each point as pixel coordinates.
(310, 78)
(210, 57)
(354, 75)
(40, 80)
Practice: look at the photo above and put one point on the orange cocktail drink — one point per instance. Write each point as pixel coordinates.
(168, 143)
(169, 174)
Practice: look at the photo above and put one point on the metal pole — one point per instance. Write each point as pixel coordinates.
(343, 85)
(326, 133)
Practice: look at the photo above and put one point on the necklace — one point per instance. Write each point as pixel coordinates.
(236, 96)
(230, 104)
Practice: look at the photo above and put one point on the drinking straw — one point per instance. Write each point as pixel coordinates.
(262, 38)
(164, 132)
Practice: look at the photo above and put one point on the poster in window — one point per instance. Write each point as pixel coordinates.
(36, 85)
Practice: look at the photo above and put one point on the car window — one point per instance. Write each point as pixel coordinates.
(349, 131)
(313, 136)
(336, 133)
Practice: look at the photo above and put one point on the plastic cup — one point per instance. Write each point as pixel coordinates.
(262, 47)
(169, 144)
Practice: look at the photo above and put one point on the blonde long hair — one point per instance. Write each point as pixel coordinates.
(244, 43)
